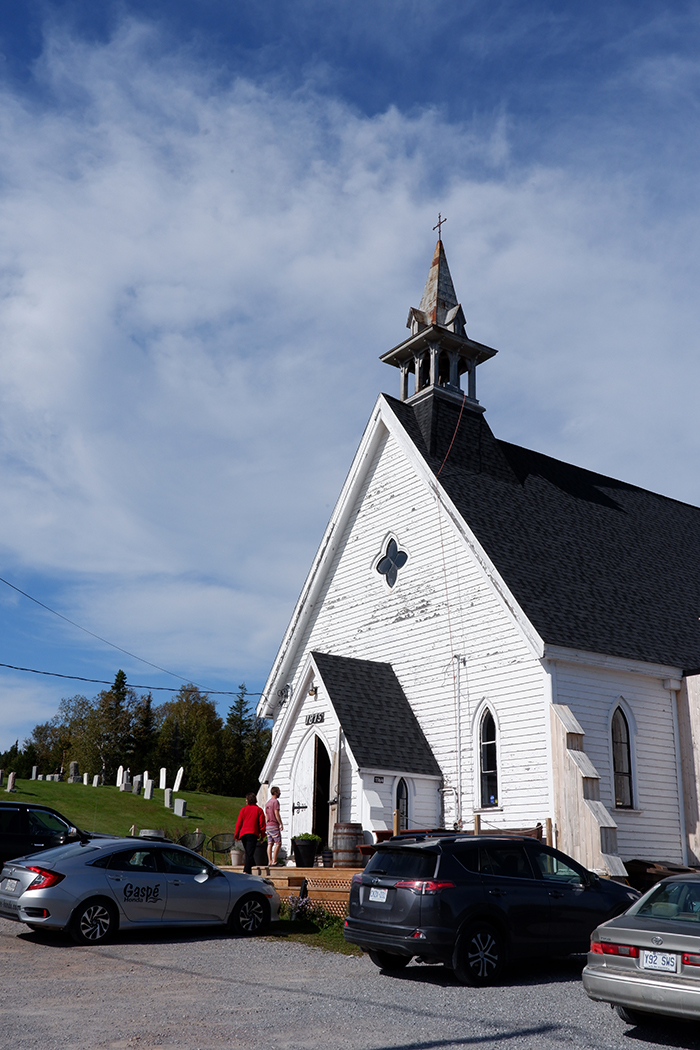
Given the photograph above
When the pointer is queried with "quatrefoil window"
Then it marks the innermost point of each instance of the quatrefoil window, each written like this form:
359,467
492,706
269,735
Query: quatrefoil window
393,560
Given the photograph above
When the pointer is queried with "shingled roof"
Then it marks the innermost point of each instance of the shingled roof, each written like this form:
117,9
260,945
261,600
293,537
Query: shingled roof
376,717
595,564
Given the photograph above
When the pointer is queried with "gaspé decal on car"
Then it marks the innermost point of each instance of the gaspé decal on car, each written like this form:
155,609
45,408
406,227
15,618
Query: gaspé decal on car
142,894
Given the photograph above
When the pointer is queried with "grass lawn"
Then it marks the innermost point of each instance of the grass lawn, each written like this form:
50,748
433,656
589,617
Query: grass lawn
112,811
305,931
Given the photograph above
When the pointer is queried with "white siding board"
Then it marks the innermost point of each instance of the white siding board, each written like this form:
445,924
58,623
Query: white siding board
653,830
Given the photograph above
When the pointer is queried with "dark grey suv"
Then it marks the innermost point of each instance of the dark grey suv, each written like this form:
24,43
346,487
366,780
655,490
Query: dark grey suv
474,903
27,828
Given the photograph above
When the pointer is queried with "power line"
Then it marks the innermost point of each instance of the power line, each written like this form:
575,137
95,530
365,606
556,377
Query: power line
151,688
92,635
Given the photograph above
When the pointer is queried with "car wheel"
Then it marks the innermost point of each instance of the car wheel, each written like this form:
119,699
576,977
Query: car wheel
389,961
94,922
250,915
630,1016
479,955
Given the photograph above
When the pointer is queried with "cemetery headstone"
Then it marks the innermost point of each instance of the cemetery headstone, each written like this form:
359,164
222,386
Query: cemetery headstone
144,776
148,790
136,787
120,776
168,798
123,786
40,777
86,779
96,780
35,770
163,778
74,776
180,807
178,778
11,782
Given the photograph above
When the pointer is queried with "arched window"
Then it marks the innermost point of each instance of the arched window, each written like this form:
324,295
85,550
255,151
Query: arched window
488,761
622,763
402,804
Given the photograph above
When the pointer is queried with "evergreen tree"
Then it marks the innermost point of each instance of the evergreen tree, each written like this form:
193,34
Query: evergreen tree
190,736
246,743
144,734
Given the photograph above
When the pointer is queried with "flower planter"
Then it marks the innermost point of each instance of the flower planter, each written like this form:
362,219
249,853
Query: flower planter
304,852
237,858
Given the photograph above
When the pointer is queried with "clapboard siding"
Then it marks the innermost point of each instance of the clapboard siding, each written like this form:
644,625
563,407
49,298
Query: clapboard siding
441,596
653,830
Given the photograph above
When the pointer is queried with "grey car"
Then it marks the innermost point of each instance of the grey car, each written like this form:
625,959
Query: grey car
647,961
93,888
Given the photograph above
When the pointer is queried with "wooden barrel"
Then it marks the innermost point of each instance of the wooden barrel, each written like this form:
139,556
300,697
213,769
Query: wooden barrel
346,838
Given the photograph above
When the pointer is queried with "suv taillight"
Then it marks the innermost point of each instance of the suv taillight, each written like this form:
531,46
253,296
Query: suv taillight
603,948
423,887
44,879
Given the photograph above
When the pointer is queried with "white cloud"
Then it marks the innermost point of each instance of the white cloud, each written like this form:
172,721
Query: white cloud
195,285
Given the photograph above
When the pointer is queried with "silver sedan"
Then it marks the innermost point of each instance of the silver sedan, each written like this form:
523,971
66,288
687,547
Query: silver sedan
93,888
647,961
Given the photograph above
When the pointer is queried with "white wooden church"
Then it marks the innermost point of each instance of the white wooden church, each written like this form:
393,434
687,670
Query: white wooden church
489,631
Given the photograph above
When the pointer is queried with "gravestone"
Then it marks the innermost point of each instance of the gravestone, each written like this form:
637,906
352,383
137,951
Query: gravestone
180,807
168,798
144,777
136,787
35,770
120,776
148,790
178,778
163,778
40,777
74,776
96,780
127,777
11,782
123,786
86,779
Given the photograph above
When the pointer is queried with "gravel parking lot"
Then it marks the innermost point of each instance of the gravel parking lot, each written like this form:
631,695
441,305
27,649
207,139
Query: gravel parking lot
161,990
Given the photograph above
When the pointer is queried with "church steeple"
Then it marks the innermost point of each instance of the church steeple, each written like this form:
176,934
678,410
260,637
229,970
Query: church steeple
438,351
439,299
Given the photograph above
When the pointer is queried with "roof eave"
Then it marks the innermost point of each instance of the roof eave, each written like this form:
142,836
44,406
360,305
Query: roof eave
448,340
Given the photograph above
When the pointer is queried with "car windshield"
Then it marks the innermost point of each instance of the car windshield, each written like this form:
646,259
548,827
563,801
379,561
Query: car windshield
41,821
403,863
679,901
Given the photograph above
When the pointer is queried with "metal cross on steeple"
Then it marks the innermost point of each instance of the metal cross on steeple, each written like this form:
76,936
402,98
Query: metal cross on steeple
438,226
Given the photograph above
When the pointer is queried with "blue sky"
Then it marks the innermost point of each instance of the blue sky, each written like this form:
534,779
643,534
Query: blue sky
214,216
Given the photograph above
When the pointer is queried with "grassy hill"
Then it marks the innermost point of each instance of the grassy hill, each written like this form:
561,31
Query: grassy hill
114,812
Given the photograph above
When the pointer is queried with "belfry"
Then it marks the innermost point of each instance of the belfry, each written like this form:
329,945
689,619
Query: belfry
438,351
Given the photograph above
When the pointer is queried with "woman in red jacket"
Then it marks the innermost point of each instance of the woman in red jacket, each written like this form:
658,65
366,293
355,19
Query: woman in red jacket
250,828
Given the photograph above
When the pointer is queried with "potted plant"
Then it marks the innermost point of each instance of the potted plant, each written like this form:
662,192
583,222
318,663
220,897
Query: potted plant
305,848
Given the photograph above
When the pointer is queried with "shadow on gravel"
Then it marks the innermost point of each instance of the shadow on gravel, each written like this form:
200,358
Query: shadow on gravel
539,971
665,1032
154,935
491,1039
